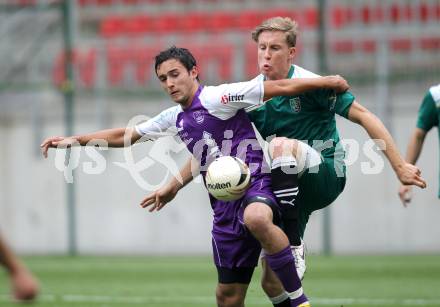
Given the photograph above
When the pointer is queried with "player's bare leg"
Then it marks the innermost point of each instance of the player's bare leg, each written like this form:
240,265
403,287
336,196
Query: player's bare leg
258,219
231,295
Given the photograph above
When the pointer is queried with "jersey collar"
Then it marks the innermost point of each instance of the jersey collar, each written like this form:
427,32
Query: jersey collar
291,70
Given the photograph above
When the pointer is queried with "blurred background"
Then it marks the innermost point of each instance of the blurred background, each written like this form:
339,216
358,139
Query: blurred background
388,50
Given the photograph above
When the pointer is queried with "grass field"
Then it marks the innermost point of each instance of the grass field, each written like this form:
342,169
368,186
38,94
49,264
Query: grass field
389,281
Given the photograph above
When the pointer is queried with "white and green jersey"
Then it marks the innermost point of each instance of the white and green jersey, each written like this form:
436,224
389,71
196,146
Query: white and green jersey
308,117
429,112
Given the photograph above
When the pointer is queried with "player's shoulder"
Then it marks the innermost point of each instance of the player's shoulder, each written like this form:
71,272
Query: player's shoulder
300,72
169,115
435,92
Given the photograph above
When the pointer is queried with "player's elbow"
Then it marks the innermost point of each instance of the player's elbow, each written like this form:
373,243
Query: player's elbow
361,116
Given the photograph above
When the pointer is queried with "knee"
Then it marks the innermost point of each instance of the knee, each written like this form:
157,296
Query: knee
282,146
257,218
229,297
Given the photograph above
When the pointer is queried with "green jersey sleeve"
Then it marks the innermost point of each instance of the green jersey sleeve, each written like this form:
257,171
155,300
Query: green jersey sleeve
337,103
427,117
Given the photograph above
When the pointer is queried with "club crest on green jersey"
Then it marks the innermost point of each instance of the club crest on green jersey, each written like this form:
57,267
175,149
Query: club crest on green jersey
295,104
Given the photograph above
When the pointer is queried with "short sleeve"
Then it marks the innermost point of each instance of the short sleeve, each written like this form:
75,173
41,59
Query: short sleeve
234,95
343,103
337,103
161,125
427,117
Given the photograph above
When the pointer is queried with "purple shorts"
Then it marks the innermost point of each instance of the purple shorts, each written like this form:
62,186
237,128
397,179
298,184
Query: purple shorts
232,243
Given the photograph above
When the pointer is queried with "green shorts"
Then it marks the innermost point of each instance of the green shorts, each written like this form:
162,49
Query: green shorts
319,189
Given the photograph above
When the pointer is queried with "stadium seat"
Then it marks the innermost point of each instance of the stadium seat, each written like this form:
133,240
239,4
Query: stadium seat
223,54
167,23
437,11
368,46
117,57
423,12
193,22
251,60
84,65
338,17
378,13
401,45
249,20
112,26
430,43
221,21
143,58
310,17
343,46
366,15
131,2
104,2
395,13
138,25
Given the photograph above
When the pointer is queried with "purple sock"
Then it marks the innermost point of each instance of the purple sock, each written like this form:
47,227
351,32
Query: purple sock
283,264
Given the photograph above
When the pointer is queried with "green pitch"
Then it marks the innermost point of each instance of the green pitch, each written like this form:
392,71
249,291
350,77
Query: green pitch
389,281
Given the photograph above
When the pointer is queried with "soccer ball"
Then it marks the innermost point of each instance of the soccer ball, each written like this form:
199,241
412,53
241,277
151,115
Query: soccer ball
227,178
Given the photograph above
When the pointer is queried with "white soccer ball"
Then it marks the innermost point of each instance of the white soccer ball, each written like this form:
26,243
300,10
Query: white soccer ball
227,178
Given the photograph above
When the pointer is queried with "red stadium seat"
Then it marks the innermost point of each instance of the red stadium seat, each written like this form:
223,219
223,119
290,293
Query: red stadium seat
112,26
223,54
378,13
437,11
221,21
104,2
408,13
139,25
338,16
193,22
423,12
368,46
401,45
395,13
117,57
143,59
310,15
249,20
131,2
84,64
251,60
430,43
343,46
366,15
167,23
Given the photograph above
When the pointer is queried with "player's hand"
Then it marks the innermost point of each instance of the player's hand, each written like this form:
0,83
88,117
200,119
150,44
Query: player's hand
405,194
337,83
24,285
411,175
56,141
159,198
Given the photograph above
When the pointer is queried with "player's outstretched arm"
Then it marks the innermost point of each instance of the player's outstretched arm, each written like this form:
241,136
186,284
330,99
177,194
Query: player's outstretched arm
407,173
113,138
290,87
159,198
412,154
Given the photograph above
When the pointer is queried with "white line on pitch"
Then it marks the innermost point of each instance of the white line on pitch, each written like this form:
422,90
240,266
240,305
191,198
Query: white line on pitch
203,300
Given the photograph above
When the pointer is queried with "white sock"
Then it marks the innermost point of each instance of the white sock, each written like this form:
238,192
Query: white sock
280,298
